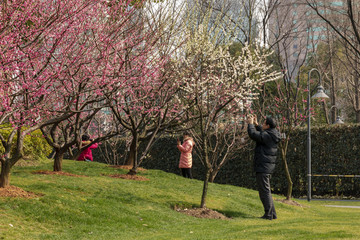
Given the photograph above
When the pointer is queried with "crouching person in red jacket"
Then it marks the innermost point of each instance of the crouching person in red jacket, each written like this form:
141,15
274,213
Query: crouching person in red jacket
86,154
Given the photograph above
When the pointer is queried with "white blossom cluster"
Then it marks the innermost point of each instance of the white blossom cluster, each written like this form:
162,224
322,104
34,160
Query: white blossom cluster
210,72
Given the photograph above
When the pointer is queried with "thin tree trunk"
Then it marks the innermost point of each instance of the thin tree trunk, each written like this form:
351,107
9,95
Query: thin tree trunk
71,153
357,98
213,175
208,169
326,113
205,188
333,84
288,176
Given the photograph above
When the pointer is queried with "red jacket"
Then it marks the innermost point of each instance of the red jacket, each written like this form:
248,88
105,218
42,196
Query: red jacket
87,154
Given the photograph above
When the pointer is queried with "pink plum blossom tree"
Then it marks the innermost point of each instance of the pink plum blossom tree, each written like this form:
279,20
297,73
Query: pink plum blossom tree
146,105
55,64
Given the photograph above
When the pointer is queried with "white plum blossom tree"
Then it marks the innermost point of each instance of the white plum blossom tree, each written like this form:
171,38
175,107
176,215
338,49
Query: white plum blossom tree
220,84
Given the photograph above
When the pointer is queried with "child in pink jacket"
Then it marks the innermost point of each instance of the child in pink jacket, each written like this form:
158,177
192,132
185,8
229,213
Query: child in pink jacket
185,163
86,154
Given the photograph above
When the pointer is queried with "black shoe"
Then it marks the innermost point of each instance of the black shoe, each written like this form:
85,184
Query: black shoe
268,218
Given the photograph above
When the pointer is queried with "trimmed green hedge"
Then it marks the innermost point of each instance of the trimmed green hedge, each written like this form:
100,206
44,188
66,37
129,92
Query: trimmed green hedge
335,150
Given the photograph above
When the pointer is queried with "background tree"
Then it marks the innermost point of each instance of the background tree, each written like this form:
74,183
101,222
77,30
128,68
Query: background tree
292,37
146,105
330,59
342,20
243,18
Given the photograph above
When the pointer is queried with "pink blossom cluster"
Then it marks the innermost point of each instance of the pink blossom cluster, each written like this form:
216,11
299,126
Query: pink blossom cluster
70,56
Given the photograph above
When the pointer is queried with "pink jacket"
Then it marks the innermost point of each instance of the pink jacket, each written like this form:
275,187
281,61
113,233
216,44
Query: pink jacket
186,156
87,154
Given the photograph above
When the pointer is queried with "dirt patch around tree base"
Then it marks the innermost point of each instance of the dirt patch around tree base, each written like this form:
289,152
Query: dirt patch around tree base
289,202
127,176
46,172
13,191
127,167
201,213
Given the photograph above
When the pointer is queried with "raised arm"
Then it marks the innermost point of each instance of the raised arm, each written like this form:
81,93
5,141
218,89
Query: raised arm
186,147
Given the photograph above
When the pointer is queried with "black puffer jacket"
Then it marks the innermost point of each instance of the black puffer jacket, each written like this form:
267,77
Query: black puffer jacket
266,148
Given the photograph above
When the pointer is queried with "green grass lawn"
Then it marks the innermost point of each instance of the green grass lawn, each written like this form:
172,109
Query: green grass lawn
100,207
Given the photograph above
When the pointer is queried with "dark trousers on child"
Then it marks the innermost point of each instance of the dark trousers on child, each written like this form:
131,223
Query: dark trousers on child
186,172
263,182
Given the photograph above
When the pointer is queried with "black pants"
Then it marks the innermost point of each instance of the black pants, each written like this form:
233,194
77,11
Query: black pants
263,182
186,172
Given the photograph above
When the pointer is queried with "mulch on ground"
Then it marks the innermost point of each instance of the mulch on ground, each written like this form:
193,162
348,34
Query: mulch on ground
46,172
289,202
201,213
127,167
13,191
127,176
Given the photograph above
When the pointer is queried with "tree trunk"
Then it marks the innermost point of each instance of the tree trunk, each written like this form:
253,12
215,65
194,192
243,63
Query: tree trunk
205,188
7,163
134,153
213,175
71,153
5,174
58,160
357,98
326,113
333,85
357,113
288,176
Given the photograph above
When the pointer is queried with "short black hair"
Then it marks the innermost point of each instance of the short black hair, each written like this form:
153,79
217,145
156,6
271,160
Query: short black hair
85,137
271,122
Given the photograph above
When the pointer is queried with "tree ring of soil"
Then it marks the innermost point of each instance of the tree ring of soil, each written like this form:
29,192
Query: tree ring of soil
201,213
289,202
13,191
46,172
127,167
127,176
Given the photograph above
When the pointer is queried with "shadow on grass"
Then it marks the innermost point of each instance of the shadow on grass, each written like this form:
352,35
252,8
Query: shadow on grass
191,208
181,204
236,214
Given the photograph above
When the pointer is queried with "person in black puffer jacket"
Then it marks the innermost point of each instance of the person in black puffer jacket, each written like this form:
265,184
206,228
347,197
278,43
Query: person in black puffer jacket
267,139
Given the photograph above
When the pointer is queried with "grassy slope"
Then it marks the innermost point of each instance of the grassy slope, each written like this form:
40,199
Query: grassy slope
100,207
